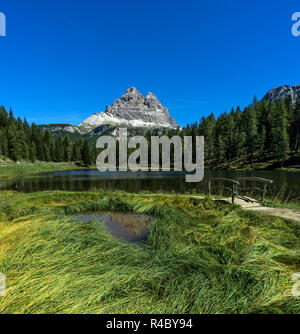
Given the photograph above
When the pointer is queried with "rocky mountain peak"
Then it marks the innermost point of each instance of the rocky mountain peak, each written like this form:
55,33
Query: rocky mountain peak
133,110
132,95
150,96
152,101
131,91
284,92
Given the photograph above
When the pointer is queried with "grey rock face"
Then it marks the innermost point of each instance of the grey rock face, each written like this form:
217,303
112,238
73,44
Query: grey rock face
283,92
58,128
133,109
296,91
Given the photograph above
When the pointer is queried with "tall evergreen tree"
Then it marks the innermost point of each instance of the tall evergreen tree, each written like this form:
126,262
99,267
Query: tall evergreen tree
250,127
86,153
280,138
67,149
295,126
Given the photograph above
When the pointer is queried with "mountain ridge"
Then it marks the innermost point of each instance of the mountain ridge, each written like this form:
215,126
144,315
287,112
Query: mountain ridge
284,92
132,110
139,114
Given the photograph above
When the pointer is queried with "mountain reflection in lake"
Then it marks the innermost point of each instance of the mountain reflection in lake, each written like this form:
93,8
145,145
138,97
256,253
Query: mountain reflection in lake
129,227
285,183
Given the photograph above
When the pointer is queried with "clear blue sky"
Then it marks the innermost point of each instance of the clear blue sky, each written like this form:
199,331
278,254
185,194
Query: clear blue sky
63,60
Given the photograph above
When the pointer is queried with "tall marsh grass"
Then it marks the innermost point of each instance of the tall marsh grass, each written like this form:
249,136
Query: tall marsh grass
201,257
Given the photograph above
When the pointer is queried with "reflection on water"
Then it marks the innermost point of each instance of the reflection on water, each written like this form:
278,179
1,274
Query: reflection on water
286,183
129,227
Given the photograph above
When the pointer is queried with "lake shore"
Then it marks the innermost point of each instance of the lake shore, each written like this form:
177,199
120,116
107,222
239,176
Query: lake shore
9,170
28,177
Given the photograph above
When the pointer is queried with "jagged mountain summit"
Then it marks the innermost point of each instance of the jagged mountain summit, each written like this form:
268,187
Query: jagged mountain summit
132,110
284,92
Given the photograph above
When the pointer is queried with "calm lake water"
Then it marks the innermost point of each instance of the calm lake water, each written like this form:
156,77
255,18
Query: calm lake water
129,227
287,183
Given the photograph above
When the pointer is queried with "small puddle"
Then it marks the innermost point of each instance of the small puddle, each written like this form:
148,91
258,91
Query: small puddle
125,226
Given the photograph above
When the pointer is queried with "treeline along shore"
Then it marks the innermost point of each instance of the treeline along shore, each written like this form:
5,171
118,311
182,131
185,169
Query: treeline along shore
266,133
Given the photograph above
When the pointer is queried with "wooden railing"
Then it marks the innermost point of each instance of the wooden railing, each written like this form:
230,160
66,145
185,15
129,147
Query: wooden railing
257,179
235,189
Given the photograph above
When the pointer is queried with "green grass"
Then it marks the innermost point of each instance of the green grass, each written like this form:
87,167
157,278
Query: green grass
201,257
281,199
268,162
285,205
13,170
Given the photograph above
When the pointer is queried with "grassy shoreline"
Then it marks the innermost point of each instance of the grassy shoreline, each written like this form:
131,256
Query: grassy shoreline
201,257
268,164
9,171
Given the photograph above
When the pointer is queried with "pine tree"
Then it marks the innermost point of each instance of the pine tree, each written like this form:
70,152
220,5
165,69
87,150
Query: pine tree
24,150
230,129
239,137
14,151
250,127
280,138
220,140
3,117
3,144
86,153
67,149
295,127
32,152
58,150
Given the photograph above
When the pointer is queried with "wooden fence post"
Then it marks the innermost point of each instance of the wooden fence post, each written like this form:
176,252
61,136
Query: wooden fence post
264,192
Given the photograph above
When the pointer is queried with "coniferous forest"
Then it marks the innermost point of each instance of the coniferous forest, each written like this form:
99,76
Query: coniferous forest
21,141
262,131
